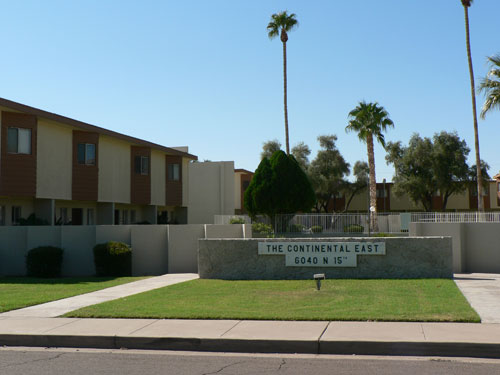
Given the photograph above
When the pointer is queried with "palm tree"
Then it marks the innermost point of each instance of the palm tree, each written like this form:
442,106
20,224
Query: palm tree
480,203
370,120
490,86
281,23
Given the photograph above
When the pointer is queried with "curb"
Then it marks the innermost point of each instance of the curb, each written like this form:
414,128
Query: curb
389,348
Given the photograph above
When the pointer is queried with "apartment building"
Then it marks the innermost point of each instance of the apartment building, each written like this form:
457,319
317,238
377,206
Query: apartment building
66,171
387,201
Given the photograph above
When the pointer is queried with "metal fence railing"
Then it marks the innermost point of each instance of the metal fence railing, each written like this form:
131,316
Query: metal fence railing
454,217
352,223
337,223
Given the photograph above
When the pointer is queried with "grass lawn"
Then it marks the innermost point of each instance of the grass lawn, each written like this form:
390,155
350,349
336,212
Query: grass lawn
381,300
18,292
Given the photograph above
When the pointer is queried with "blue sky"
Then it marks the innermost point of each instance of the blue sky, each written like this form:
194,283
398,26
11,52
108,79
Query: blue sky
204,73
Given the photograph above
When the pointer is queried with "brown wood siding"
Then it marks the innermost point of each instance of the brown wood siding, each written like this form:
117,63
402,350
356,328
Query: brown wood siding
173,189
473,198
18,171
85,178
140,184
384,203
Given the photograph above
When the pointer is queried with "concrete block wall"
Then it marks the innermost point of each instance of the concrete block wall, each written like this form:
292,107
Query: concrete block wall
476,246
156,249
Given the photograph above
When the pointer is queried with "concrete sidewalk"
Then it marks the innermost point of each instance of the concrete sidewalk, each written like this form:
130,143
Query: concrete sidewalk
63,306
482,290
362,338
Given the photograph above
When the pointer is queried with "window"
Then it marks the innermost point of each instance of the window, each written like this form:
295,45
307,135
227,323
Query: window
381,193
133,219
2,215
173,172
16,214
19,141
141,165
90,216
86,153
63,215
245,185
125,217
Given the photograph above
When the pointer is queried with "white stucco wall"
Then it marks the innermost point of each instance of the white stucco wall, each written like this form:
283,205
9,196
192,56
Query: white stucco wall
114,170
54,160
211,191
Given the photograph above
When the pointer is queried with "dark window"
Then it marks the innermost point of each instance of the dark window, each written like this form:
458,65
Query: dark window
86,153
16,214
245,185
77,216
19,141
173,172
141,165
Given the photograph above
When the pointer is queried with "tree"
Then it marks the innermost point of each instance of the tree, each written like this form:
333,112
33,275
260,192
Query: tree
281,24
413,173
466,4
490,86
361,173
269,148
450,164
279,186
370,120
301,152
426,167
327,172
472,177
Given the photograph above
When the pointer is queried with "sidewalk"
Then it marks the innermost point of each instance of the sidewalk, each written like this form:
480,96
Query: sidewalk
361,338
37,326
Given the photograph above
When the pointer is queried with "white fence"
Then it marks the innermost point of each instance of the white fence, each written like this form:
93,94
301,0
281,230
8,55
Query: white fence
352,223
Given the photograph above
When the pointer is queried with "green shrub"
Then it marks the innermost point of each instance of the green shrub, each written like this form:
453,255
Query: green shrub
44,261
382,234
316,229
296,228
262,228
113,259
353,228
237,220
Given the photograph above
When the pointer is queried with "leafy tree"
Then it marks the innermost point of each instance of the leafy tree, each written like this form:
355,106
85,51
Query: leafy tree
281,24
279,186
427,166
361,173
269,148
301,152
370,120
412,165
490,86
327,172
450,164
466,4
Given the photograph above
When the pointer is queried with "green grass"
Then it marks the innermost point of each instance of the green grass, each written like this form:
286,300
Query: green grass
19,292
378,300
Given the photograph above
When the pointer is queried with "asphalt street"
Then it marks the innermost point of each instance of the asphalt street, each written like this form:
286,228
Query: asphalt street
27,361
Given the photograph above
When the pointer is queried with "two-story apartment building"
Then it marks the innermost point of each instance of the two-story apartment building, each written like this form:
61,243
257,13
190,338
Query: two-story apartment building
66,171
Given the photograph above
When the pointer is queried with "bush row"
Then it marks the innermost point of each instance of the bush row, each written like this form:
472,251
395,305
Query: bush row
110,259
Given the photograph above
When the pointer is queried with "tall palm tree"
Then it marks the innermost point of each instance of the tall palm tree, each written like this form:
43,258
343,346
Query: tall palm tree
490,86
480,204
369,120
281,23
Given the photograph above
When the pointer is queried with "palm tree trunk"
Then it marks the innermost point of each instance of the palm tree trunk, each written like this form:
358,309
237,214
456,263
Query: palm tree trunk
285,103
373,183
480,203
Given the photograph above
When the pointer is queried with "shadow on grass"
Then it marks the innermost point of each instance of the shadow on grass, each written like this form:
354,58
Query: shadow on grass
57,280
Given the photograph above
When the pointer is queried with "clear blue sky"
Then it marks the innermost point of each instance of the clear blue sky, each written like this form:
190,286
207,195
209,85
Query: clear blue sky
204,73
